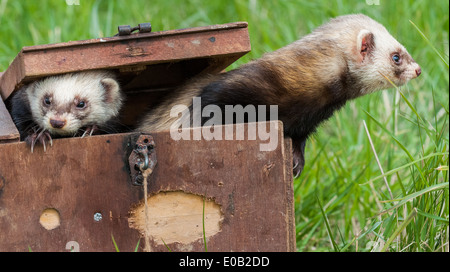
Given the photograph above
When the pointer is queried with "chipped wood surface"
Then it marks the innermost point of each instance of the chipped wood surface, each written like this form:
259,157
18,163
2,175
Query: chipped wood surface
8,131
176,217
80,178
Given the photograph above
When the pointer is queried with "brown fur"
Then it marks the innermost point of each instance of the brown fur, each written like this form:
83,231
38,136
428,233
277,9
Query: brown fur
308,79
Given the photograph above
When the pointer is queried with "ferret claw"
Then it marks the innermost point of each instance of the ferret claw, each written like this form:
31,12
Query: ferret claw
31,140
298,162
89,131
295,163
41,136
32,146
297,169
298,158
49,138
43,144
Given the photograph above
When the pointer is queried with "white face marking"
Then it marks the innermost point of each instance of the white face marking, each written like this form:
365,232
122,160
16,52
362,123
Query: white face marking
64,104
385,64
393,61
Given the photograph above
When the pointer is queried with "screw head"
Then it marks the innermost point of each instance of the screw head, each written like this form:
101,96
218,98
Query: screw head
98,216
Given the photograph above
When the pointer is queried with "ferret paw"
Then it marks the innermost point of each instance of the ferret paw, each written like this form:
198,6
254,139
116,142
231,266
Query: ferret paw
298,166
40,136
298,157
89,131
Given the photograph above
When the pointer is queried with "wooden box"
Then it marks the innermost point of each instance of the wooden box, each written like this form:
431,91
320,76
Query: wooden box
81,194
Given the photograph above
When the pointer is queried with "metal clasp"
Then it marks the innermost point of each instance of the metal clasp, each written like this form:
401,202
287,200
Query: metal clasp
142,159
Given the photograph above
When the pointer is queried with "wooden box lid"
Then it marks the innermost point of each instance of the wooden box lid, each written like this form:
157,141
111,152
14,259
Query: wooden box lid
147,62
217,45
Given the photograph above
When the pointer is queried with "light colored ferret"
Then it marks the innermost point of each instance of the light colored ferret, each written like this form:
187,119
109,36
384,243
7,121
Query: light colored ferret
347,57
66,105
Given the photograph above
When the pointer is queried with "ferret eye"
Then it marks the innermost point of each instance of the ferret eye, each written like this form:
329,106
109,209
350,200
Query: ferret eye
81,105
47,101
397,59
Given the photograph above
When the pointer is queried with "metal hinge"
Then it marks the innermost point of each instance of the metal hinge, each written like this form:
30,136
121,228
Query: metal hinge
124,30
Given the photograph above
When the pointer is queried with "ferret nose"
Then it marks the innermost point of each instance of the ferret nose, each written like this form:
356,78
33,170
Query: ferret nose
57,123
418,71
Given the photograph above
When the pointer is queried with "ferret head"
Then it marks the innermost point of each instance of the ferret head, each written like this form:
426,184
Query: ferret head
374,58
64,104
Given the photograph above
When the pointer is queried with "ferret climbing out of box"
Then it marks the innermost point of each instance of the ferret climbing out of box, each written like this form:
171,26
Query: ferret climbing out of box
348,57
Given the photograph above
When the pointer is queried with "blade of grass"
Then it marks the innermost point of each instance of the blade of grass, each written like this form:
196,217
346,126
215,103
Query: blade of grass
114,242
203,222
378,161
390,172
168,248
420,120
400,229
432,216
359,237
137,246
399,144
416,194
429,43
330,234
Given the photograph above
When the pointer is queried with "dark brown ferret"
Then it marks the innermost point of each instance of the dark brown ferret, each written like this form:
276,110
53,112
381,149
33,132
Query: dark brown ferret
309,80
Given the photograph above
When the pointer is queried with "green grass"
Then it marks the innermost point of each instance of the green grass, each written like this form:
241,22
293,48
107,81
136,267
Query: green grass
342,199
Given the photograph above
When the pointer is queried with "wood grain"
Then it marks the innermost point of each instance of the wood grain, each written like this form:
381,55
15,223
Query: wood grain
81,177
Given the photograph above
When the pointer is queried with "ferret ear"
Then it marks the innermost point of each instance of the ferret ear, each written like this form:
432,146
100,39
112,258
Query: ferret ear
112,89
364,44
31,87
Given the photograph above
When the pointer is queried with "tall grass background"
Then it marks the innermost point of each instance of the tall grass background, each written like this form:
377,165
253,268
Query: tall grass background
343,201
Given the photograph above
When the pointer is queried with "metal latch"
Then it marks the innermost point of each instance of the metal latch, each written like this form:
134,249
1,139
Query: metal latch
124,30
142,158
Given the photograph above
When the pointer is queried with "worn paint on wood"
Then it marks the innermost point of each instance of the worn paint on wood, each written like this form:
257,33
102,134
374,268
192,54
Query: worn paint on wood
221,44
85,178
76,177
8,131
